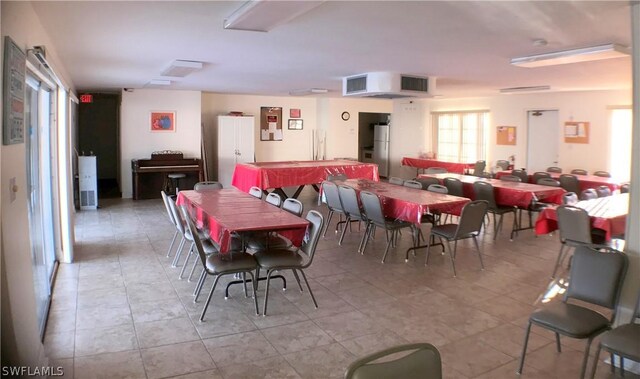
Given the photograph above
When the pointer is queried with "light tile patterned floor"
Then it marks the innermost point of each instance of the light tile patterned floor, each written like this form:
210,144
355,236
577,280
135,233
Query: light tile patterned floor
120,310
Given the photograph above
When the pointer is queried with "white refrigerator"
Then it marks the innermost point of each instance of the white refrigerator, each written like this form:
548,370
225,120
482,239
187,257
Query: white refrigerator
381,149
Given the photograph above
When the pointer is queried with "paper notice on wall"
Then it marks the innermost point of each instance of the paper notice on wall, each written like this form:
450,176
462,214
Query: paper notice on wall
278,135
272,127
265,135
570,130
581,130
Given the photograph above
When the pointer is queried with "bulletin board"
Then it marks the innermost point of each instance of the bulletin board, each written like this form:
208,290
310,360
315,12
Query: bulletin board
270,124
506,135
576,132
13,93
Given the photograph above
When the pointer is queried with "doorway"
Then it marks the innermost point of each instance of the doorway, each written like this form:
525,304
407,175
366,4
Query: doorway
373,140
543,134
99,135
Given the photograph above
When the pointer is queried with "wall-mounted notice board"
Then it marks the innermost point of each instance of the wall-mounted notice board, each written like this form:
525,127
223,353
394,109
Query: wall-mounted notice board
270,124
576,132
506,135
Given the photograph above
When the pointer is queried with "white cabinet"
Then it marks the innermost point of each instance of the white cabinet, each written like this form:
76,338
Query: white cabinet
236,144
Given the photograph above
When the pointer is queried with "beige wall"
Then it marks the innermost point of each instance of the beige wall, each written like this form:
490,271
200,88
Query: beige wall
20,337
137,141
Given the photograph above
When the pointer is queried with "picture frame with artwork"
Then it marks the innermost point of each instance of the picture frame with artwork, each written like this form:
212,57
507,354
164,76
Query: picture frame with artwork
162,121
295,113
295,124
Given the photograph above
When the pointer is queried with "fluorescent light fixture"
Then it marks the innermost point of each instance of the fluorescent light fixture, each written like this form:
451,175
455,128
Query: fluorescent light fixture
586,54
264,15
308,91
525,89
180,68
159,82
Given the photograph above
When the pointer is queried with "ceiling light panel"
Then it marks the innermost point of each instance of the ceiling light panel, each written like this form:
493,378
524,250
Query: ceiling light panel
525,89
586,54
264,15
180,68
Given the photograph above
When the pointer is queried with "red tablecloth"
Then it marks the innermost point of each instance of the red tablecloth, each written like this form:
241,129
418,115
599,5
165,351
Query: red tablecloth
457,168
222,212
585,181
408,204
607,213
508,193
267,175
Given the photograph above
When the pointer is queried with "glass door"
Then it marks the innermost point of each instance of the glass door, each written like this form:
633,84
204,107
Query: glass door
39,119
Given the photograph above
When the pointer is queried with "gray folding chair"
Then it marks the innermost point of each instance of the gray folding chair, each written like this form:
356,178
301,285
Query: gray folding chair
510,178
296,260
165,199
395,180
623,341
417,361
273,199
603,191
412,184
484,191
469,226
454,186
603,174
436,170
334,205
579,171
257,242
554,169
503,164
549,182
203,186
596,278
588,194
438,188
478,168
569,198
351,208
569,183
255,192
625,188
426,182
522,174
334,177
539,175
376,219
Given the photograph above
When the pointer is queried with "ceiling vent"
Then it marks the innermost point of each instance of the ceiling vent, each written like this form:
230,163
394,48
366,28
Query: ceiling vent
388,85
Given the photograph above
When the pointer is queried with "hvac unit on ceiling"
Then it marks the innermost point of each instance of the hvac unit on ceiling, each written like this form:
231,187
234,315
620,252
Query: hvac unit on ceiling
388,85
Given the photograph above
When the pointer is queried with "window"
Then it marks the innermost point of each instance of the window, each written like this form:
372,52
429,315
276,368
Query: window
461,136
620,158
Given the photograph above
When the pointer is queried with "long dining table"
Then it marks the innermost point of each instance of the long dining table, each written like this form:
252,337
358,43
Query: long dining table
608,213
584,181
276,175
423,163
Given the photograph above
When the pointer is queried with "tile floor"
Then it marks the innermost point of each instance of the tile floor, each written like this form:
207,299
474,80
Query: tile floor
120,310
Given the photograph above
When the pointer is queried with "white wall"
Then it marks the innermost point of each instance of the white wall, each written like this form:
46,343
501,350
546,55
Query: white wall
136,139
20,333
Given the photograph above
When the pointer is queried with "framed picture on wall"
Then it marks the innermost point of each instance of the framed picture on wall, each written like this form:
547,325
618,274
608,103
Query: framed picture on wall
295,124
270,124
162,121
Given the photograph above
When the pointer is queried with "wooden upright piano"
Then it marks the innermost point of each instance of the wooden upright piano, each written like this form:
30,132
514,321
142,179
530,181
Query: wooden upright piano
149,176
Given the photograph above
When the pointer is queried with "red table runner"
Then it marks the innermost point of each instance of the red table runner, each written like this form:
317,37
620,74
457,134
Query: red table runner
222,212
507,193
457,168
267,175
408,204
585,181
607,213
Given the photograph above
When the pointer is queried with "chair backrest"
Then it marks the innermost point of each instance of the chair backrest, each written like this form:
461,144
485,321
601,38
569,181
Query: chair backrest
395,180
484,191
293,206
625,188
316,223
596,277
522,174
569,183
437,188
274,199
426,182
334,177
422,361
177,217
554,169
579,171
372,207
569,198
603,174
549,182
503,164
165,199
255,192
574,224
510,178
330,191
349,201
472,217
588,194
436,170
478,168
539,175
454,185
194,232
603,191
200,186
412,184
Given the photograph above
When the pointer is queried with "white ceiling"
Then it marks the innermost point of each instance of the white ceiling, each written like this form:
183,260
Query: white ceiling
467,45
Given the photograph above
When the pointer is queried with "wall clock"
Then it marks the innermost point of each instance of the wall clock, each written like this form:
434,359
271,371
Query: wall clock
345,116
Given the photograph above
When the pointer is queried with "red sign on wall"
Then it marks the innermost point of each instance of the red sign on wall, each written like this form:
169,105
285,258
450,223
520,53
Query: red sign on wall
86,98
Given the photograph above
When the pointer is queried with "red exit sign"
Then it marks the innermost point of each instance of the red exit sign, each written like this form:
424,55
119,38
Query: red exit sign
86,98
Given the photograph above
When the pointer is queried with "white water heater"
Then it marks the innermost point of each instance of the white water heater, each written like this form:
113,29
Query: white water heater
88,182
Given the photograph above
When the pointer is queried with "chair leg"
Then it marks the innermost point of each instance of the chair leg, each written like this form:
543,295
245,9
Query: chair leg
255,294
367,236
244,284
426,260
585,360
206,305
193,269
297,279
186,261
387,249
196,291
309,288
524,349
558,346
475,241
329,216
555,269
344,230
452,256
172,242
364,237
596,359
621,364
266,293
174,262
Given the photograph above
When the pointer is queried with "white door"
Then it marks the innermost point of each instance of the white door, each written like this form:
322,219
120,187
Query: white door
543,140
226,149
245,140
